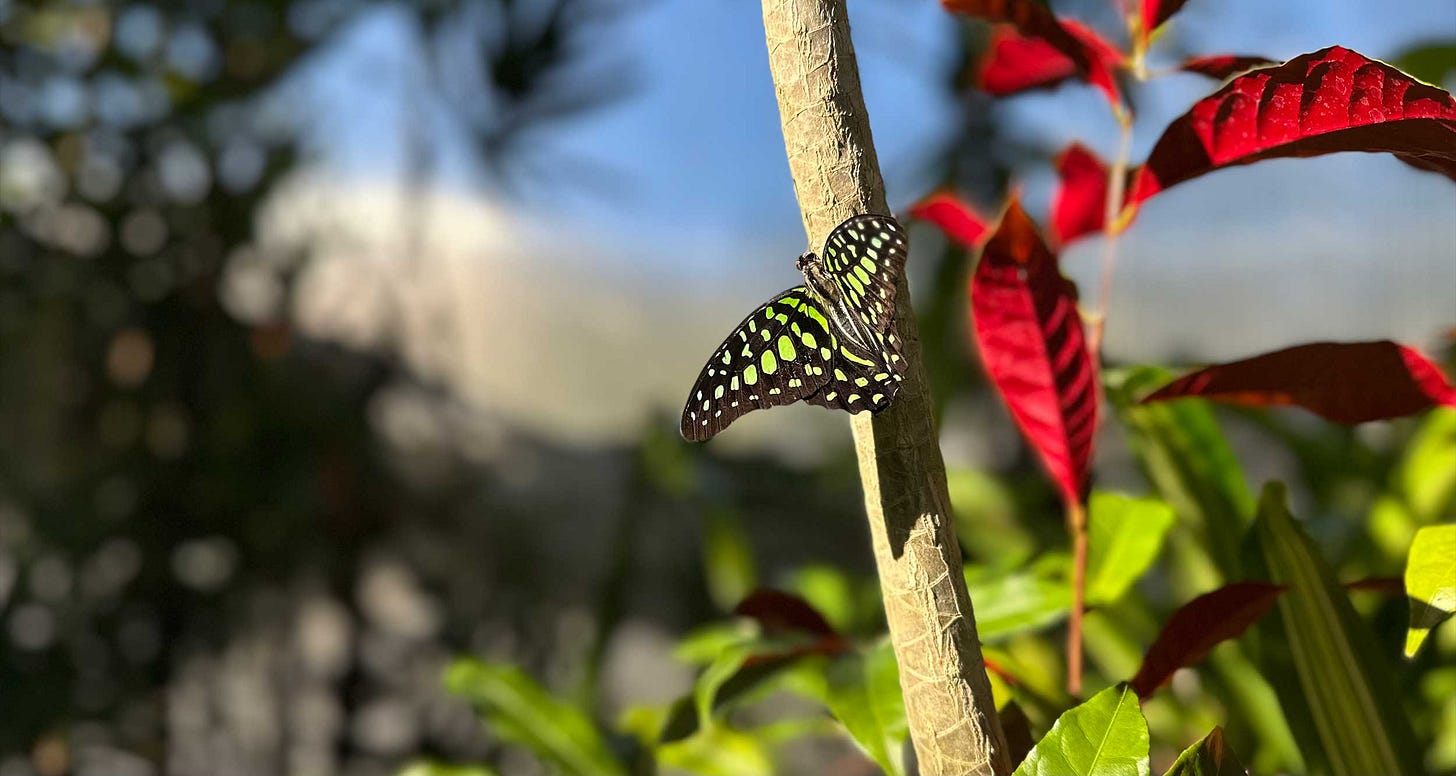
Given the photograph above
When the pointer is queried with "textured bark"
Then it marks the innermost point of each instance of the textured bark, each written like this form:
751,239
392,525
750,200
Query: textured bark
953,721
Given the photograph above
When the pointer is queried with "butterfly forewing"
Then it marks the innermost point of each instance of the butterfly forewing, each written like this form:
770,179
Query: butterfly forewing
865,256
781,353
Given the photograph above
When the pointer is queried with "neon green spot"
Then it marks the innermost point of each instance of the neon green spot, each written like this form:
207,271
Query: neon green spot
839,374
817,316
853,397
766,335
824,353
881,376
830,396
718,392
852,357
868,264
770,364
750,376
727,357
786,349
861,274
808,338
752,325
861,382
783,319
876,398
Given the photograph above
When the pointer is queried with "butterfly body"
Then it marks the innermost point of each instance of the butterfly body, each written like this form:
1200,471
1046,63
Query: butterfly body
829,342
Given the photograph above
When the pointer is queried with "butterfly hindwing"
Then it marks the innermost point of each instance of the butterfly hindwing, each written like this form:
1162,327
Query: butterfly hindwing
779,354
857,384
865,256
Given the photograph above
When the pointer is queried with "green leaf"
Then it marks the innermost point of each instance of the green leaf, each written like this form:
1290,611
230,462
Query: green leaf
1422,489
1180,447
1011,603
1336,687
1106,736
1124,537
727,560
1430,582
440,769
1209,757
717,751
863,693
521,711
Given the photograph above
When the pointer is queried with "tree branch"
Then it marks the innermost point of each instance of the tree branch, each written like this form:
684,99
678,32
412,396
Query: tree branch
953,721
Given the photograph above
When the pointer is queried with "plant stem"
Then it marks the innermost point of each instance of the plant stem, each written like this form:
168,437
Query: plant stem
1112,229
948,704
1077,525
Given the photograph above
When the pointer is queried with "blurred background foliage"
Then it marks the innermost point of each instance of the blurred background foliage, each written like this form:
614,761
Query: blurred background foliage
276,448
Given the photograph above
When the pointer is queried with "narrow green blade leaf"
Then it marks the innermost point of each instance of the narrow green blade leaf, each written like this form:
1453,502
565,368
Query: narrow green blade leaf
440,769
864,695
1334,684
1125,536
1209,757
1106,736
1430,582
521,711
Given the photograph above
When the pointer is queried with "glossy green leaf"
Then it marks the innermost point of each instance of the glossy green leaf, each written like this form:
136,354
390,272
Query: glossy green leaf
1430,582
863,693
1125,535
717,751
519,710
1011,603
1185,455
1335,685
1209,757
1105,736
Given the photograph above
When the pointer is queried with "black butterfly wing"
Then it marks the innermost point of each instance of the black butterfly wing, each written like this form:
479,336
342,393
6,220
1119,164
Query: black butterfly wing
781,353
865,256
857,383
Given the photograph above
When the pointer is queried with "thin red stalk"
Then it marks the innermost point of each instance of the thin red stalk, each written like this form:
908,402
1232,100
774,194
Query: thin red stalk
1077,524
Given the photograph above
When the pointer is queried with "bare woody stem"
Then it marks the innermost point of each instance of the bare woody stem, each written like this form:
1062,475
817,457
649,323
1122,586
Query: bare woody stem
952,718
1077,526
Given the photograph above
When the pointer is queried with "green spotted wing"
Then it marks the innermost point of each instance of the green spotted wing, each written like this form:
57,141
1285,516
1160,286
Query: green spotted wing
864,257
857,383
779,354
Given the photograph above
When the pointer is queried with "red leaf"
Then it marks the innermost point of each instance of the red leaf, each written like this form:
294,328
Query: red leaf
1031,340
1079,206
1155,12
1222,66
1039,50
954,216
1350,382
1199,626
780,612
1320,103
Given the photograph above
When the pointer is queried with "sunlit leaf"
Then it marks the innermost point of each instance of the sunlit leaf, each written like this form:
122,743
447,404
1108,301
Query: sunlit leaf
1106,736
1024,314
1124,537
1209,757
441,769
864,695
1154,14
1200,625
1332,100
1016,62
1350,382
727,559
717,751
1017,602
954,216
1335,685
1422,487
519,710
1430,582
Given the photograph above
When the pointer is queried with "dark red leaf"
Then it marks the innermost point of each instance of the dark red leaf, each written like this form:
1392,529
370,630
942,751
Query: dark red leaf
1079,206
1331,100
1038,50
1030,336
1199,626
780,612
1222,66
1388,585
1347,382
954,216
1155,12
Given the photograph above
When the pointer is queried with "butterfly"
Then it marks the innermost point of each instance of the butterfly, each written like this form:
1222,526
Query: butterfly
829,342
